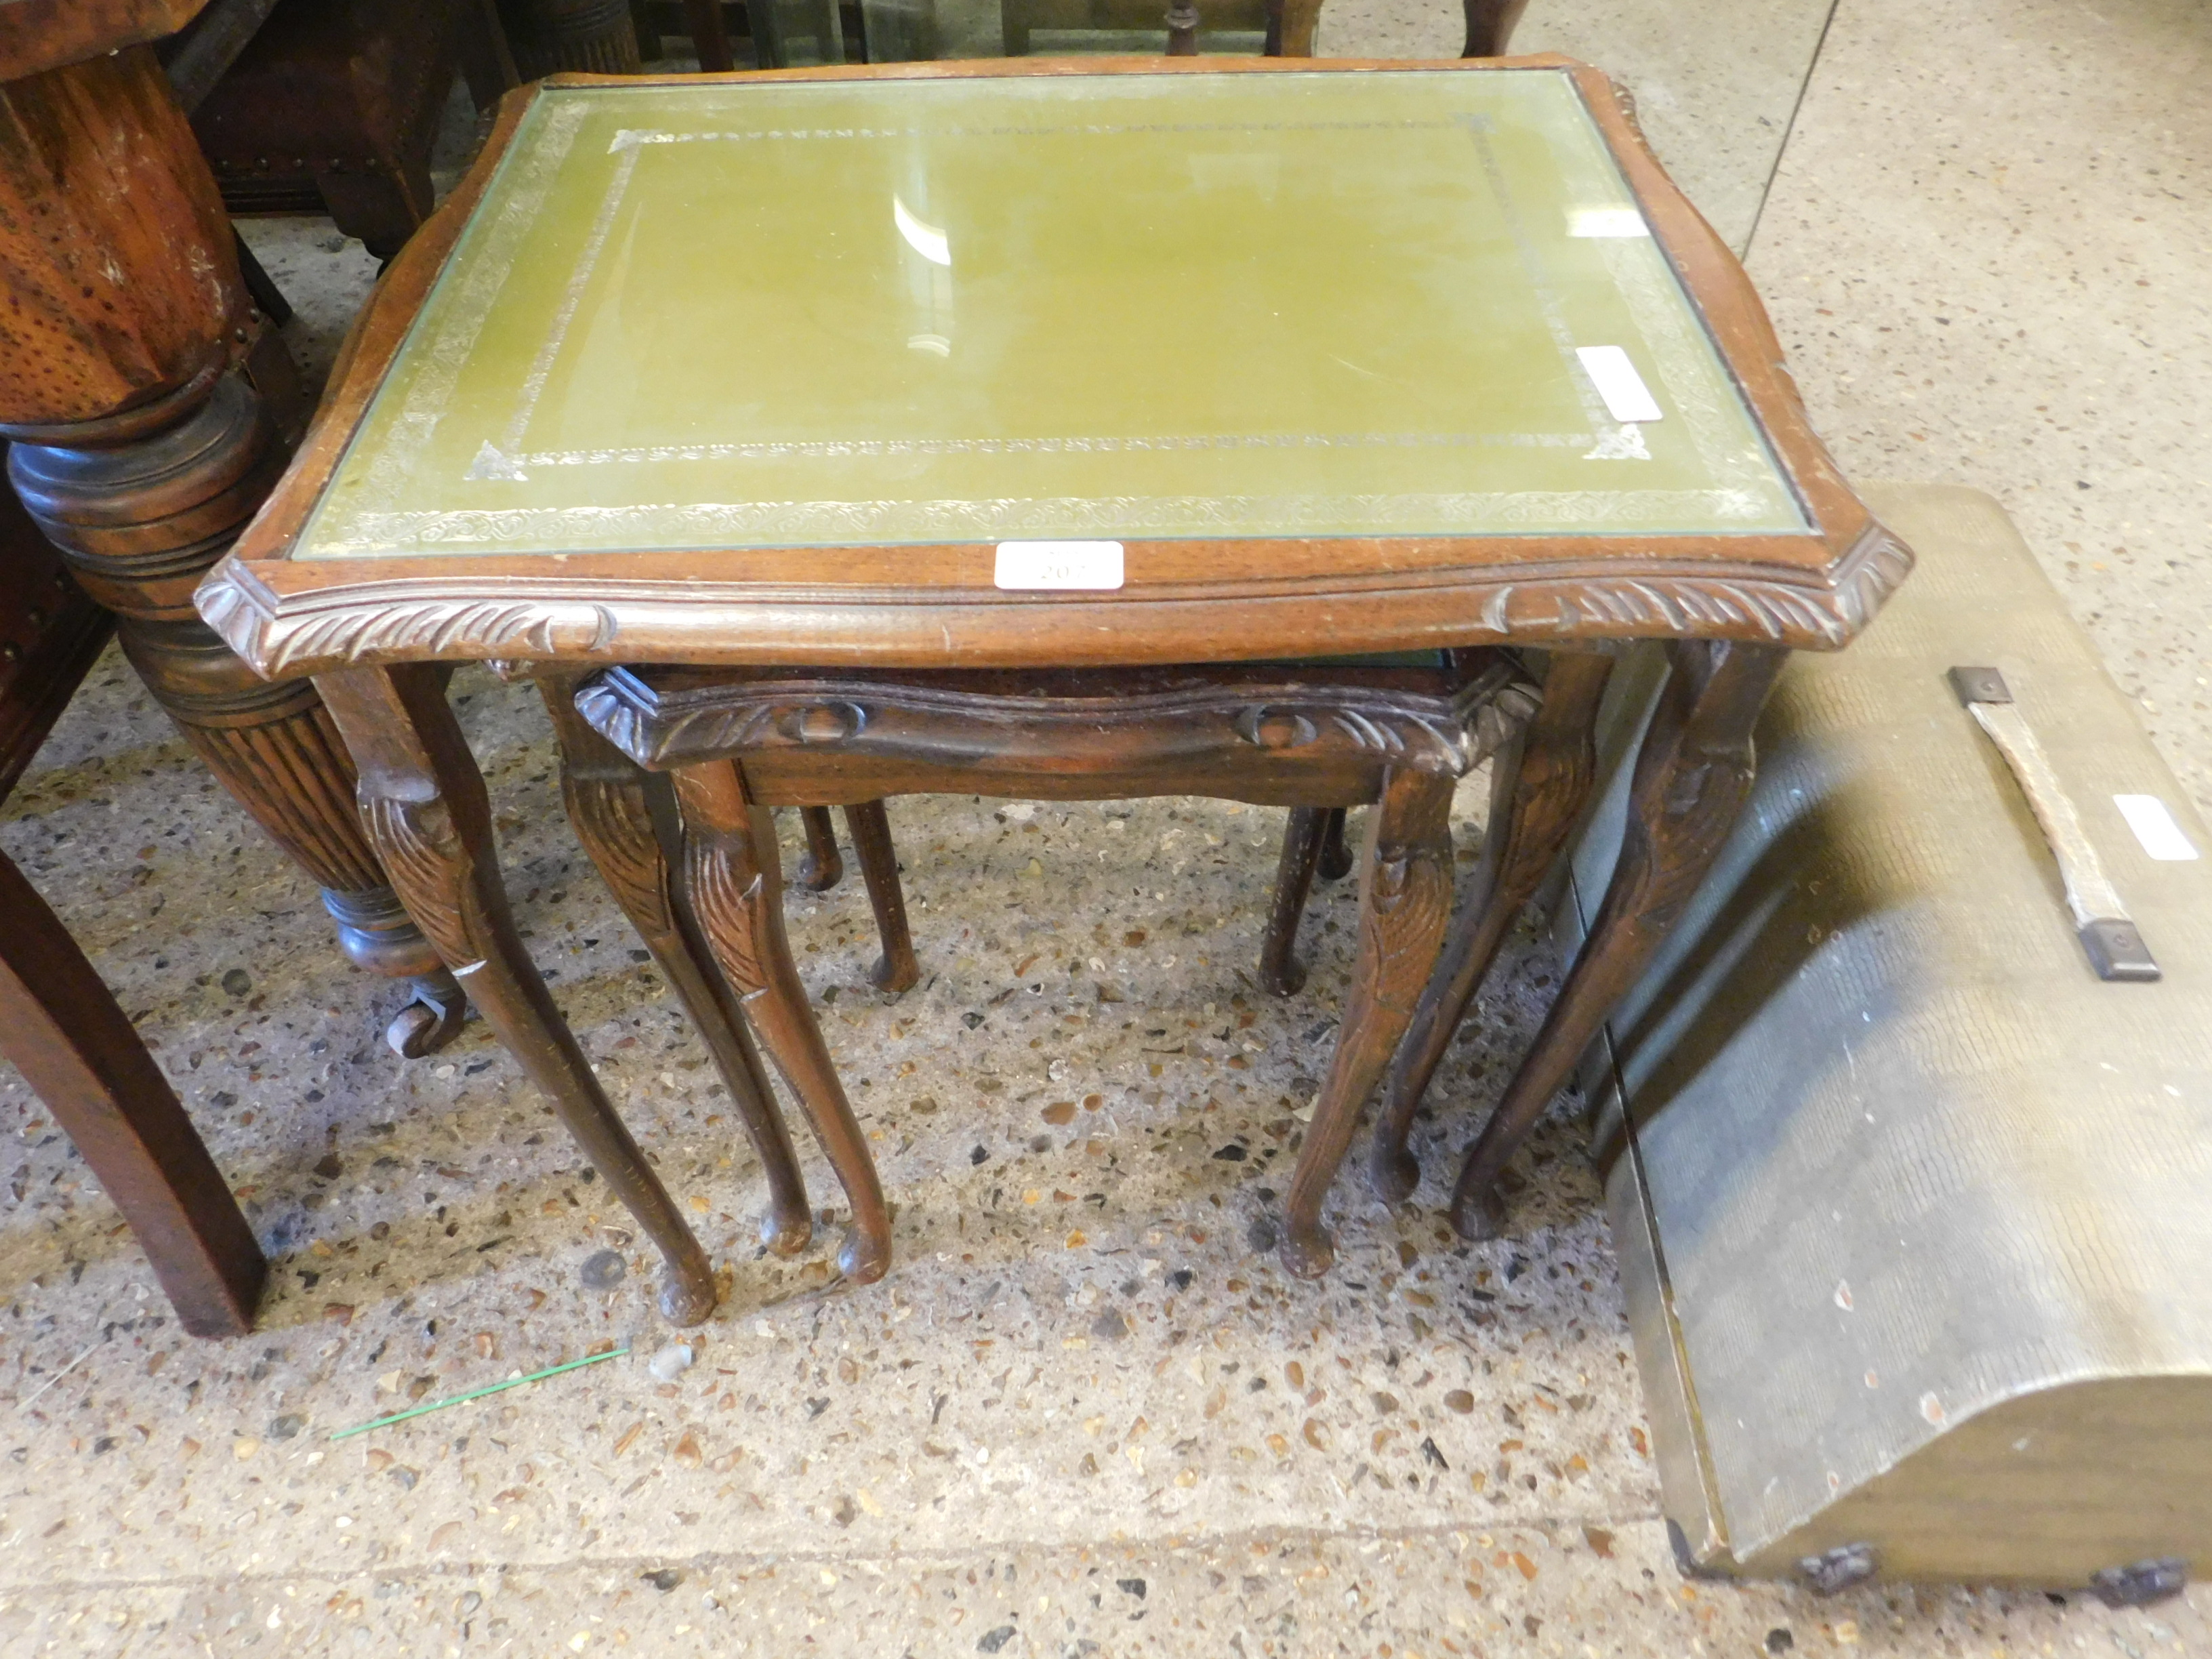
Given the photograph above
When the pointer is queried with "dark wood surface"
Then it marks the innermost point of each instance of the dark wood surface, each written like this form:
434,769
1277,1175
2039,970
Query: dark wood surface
37,35
938,606
333,106
60,1025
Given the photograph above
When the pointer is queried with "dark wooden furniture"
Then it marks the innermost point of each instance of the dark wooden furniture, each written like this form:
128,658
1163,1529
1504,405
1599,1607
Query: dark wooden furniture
548,36
60,1026
332,107
141,445
1506,388
1291,25
1317,737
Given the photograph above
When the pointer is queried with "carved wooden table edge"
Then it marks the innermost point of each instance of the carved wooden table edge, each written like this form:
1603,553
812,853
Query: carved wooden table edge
581,619
1812,590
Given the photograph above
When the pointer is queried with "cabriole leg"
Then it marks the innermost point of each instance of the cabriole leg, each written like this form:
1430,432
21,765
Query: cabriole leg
820,866
424,802
1538,787
1405,899
609,801
1490,26
896,969
730,876
1281,973
1335,850
1693,775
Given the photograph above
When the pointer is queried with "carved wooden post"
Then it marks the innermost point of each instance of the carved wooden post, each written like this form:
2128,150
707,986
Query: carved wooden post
548,35
142,451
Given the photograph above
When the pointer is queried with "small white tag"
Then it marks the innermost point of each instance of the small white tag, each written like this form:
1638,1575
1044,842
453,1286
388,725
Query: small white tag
1029,565
1616,381
1606,222
2161,837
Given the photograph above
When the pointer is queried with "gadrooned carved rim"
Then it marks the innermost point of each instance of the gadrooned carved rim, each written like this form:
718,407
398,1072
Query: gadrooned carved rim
449,617
1427,732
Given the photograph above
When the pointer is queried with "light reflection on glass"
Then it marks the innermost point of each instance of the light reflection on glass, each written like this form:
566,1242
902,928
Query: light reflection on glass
1321,304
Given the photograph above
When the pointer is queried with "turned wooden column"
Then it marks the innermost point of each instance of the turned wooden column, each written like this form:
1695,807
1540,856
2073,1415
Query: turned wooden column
141,450
551,35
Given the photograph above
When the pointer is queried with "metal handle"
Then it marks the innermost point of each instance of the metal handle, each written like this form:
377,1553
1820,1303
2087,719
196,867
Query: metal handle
2114,943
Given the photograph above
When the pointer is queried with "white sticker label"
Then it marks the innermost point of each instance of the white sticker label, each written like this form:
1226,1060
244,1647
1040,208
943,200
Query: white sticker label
1618,383
2153,824
1031,565
1606,222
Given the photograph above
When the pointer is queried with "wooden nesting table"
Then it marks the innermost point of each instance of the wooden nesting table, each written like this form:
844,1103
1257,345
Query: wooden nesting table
1075,365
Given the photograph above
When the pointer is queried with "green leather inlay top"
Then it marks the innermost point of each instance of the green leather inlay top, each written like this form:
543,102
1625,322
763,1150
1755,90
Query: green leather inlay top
1113,305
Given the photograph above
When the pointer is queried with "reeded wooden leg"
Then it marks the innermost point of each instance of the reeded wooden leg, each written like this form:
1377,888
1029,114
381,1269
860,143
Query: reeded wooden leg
141,452
729,871
1691,777
1405,899
61,1027
896,969
1490,25
424,802
610,803
550,35
1538,787
1281,973
820,866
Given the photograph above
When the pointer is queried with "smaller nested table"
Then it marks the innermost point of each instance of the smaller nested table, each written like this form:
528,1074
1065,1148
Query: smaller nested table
1063,366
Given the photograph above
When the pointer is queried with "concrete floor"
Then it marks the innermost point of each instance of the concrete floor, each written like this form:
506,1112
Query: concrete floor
1085,1413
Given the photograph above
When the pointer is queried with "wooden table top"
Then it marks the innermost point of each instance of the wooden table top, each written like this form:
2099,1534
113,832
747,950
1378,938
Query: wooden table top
830,366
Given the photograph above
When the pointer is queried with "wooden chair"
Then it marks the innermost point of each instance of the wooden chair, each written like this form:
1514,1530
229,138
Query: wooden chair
1317,737
332,107
60,1026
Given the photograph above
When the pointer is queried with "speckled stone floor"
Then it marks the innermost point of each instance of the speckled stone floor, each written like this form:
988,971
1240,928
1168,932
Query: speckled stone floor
1087,1413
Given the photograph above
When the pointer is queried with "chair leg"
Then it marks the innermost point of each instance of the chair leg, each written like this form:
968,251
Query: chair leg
1405,899
710,36
423,802
1335,851
1692,778
1291,28
821,867
1281,973
609,801
1538,787
61,1027
732,878
896,969
1490,25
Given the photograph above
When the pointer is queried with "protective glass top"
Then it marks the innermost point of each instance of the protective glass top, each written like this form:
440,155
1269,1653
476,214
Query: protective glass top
1126,306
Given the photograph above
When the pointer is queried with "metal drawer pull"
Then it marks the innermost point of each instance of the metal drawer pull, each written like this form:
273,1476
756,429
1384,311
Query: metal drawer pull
2114,943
